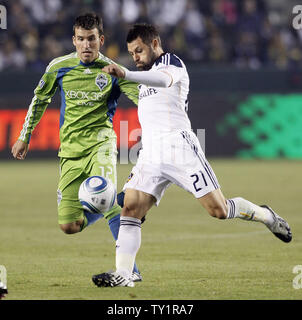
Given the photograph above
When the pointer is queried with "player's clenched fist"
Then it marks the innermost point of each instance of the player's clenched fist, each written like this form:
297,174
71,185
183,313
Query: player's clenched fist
114,70
19,150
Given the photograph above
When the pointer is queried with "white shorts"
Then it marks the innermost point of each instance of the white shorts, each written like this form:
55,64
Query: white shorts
180,160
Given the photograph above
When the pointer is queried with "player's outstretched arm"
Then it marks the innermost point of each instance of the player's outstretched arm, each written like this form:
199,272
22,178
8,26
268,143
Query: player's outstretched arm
114,70
19,150
156,78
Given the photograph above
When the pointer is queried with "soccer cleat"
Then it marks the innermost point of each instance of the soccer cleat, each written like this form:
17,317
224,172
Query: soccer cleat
136,277
111,279
280,227
3,290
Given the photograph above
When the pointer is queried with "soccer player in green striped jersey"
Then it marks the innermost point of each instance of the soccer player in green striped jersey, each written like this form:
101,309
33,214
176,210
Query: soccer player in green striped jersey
87,139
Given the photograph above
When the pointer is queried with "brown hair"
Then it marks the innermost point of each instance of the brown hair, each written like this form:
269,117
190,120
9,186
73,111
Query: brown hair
146,32
89,21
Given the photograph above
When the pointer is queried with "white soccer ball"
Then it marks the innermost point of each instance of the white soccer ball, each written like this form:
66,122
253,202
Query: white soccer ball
97,194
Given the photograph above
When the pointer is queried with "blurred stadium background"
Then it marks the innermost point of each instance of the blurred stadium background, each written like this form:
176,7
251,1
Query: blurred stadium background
244,59
245,64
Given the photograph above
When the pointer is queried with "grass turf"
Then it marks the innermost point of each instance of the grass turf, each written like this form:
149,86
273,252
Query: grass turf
185,253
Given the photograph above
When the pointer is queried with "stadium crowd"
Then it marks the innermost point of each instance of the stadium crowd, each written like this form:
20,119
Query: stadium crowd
244,33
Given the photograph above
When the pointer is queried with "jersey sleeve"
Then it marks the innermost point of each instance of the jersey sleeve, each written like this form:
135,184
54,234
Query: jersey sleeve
42,97
174,72
150,78
173,66
130,89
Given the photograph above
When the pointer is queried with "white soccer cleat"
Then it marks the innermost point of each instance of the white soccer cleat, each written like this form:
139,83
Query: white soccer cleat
136,277
111,279
280,227
3,290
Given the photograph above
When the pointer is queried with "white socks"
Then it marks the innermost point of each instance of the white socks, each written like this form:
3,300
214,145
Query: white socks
127,245
244,209
129,237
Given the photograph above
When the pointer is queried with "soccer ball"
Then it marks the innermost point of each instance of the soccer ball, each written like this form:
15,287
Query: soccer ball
97,194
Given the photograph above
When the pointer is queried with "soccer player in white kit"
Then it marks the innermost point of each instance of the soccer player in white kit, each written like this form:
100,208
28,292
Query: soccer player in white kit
171,153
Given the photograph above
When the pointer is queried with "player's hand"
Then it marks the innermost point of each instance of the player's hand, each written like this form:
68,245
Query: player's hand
19,150
114,70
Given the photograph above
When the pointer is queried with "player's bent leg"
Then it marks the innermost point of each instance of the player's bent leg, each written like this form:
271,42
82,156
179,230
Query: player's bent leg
72,227
246,210
215,203
71,217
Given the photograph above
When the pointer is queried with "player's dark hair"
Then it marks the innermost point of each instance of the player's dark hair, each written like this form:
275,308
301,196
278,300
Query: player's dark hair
146,32
89,21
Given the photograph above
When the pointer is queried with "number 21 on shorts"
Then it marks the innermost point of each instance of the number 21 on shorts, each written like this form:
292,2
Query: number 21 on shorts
199,181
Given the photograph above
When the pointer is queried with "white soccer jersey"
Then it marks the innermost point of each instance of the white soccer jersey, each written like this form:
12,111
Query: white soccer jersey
164,110
171,152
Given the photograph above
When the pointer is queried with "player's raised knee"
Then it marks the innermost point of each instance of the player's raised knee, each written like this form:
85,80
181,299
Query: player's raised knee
70,228
67,228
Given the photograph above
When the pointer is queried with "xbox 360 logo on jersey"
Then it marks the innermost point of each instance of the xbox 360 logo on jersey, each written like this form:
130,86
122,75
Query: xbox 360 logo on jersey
101,81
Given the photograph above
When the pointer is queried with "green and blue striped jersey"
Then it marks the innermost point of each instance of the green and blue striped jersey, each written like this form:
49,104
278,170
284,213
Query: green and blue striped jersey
88,102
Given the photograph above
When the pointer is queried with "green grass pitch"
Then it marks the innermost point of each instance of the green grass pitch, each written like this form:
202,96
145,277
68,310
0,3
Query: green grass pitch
185,253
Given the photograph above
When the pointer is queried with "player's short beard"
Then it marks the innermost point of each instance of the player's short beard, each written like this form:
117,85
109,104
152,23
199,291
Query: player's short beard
148,66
